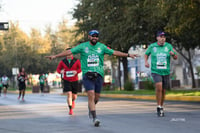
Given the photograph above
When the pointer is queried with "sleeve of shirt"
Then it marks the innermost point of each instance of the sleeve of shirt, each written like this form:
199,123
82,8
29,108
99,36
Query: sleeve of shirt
108,50
59,67
77,49
148,52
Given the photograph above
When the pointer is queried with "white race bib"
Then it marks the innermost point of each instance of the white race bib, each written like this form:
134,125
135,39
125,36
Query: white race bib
69,74
161,62
93,61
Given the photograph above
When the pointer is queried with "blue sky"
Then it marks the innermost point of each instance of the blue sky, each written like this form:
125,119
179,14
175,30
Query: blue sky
36,13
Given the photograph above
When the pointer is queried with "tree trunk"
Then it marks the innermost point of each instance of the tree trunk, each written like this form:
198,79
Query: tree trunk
191,70
188,59
125,67
119,72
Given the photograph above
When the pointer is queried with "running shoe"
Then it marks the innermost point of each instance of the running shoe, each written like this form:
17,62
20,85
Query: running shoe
96,122
70,112
73,104
23,99
160,112
18,98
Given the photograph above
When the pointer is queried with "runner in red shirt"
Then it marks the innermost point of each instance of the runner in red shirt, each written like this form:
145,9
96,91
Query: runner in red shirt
69,67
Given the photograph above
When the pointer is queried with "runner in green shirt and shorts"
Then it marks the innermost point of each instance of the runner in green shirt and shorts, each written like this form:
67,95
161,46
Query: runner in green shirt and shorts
161,53
92,57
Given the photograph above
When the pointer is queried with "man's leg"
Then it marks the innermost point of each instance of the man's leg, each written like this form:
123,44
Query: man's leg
96,99
74,97
23,94
20,93
69,102
74,92
91,104
159,97
42,88
4,90
159,93
163,97
92,108
166,85
67,90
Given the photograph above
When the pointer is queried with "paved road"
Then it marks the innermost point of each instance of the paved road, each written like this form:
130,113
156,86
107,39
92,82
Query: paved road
49,114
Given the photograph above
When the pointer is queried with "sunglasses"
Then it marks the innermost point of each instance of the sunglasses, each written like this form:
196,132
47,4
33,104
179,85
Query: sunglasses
95,35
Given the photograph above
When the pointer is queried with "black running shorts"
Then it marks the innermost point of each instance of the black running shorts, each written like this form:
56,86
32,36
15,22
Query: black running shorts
70,86
162,78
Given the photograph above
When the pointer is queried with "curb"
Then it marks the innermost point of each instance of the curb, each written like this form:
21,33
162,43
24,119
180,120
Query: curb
150,97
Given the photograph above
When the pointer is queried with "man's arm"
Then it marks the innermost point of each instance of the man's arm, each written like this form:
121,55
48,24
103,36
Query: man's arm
121,54
146,60
173,55
62,54
59,67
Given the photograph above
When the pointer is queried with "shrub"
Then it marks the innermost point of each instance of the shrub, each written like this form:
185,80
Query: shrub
129,85
149,85
106,87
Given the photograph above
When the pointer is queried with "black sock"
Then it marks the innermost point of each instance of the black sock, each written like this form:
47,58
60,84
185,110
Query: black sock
93,114
95,101
70,107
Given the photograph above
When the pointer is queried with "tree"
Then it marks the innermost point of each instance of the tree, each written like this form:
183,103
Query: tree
185,30
123,23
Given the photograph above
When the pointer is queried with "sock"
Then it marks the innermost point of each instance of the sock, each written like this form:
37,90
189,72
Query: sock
70,107
96,101
93,114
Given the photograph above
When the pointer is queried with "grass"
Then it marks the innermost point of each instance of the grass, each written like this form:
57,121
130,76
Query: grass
152,92
14,89
183,93
136,92
143,92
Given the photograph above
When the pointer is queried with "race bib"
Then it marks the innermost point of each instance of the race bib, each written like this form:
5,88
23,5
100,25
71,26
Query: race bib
161,61
21,79
69,74
93,61
41,80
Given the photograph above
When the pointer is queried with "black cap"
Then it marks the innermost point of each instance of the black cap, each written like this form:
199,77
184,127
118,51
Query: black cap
161,33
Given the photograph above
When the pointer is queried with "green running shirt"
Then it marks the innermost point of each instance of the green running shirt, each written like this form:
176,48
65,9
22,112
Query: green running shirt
160,58
92,56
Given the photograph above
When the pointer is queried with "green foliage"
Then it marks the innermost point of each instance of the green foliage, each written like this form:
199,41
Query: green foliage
152,92
124,23
106,87
149,85
129,86
19,50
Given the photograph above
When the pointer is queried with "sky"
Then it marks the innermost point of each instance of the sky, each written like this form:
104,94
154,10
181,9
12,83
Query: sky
37,13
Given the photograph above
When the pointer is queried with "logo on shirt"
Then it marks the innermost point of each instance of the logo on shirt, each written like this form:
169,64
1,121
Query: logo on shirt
99,50
86,50
166,49
154,49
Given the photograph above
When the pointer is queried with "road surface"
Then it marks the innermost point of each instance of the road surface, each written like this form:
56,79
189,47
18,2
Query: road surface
49,114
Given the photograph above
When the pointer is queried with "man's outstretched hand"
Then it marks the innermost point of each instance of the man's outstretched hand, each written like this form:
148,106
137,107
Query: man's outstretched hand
133,56
51,57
